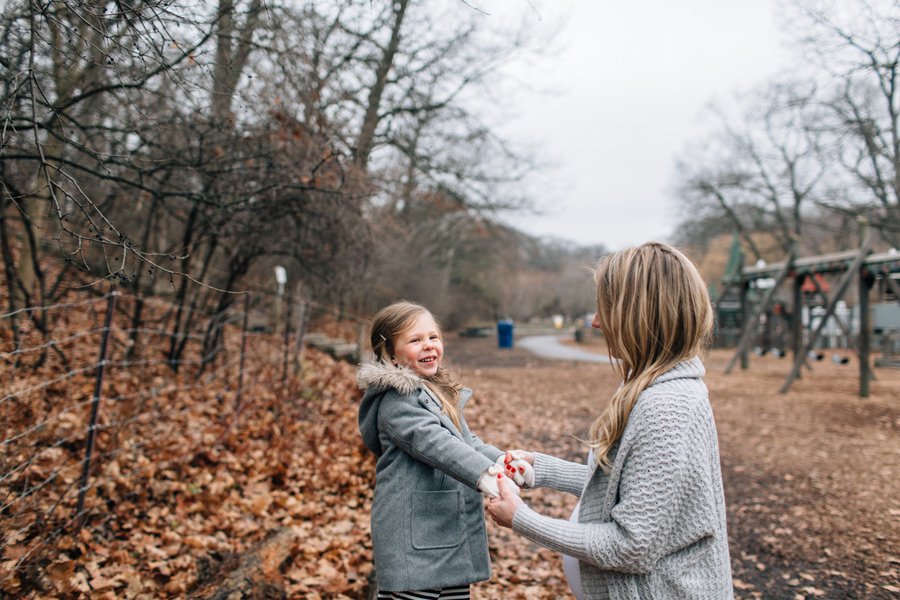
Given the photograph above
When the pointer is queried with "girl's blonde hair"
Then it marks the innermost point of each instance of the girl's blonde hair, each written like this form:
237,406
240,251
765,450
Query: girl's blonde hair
395,319
654,312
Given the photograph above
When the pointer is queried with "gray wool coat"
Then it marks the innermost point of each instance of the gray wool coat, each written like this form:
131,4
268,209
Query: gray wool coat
653,526
428,528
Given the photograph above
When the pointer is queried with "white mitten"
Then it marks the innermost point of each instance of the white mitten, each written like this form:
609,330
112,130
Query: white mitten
518,470
487,483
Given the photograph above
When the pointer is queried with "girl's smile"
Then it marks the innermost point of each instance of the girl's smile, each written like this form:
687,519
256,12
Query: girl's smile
420,347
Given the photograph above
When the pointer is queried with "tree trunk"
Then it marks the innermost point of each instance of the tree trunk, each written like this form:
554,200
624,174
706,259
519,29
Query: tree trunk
366,140
232,51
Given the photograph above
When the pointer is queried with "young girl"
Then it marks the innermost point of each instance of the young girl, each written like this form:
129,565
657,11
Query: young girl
428,526
650,521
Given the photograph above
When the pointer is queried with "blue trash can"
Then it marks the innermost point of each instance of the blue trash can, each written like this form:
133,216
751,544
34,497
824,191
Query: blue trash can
505,333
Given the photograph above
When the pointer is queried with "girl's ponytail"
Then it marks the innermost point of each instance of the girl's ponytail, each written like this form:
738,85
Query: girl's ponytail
447,390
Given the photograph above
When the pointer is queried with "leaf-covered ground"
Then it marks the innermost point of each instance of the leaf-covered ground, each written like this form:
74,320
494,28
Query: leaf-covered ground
810,476
811,485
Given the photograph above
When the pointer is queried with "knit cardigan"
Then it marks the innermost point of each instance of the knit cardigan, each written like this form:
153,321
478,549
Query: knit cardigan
653,526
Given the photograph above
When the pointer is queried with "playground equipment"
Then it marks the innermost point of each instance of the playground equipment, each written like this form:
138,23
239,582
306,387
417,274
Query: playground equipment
863,266
890,350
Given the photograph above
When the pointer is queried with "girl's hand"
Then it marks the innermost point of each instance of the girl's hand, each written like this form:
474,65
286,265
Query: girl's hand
519,466
487,483
503,508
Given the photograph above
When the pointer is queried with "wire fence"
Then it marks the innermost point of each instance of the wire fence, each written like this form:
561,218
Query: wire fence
102,399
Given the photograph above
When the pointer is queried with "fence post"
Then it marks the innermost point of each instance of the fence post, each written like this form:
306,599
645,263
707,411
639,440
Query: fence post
95,408
287,339
305,308
240,391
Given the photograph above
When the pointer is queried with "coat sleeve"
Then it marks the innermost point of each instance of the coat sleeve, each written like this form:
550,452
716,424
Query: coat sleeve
419,432
492,452
651,489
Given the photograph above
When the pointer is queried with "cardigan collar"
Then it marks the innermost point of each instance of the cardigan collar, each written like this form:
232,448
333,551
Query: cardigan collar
691,368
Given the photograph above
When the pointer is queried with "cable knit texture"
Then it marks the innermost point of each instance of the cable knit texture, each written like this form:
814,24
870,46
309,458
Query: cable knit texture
653,527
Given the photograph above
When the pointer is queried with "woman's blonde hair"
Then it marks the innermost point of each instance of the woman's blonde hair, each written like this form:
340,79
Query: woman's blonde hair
654,312
395,319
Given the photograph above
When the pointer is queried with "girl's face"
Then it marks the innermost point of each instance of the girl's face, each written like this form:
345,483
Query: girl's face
420,347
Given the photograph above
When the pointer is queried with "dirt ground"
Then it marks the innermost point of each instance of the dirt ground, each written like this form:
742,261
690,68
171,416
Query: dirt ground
811,476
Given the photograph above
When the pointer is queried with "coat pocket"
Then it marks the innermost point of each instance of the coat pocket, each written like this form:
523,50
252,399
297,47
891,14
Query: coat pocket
436,519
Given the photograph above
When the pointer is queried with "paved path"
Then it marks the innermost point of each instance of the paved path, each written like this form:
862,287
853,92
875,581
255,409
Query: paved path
549,346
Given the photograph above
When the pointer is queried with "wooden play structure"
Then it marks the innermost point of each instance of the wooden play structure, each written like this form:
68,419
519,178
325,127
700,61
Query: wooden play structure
808,277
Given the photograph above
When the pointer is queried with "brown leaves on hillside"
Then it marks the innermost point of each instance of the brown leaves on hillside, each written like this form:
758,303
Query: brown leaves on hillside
180,504
184,479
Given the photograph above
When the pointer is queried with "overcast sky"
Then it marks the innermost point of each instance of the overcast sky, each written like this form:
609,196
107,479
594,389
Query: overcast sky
633,78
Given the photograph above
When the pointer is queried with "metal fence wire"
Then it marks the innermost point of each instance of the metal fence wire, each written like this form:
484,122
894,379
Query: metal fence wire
97,407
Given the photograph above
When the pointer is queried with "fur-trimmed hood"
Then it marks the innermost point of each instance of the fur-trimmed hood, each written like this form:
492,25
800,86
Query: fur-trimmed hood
376,378
379,375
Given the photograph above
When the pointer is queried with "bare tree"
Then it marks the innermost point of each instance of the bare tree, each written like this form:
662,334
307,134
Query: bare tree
803,160
121,146
758,171
162,147
401,85
394,82
71,68
856,46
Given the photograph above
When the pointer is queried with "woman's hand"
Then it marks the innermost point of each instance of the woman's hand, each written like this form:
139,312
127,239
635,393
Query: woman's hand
503,509
512,455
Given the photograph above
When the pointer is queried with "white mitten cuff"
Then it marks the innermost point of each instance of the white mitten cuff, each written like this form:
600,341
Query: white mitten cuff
518,470
487,483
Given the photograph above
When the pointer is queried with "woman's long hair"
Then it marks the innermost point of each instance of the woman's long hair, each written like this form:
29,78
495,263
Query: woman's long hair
654,312
387,325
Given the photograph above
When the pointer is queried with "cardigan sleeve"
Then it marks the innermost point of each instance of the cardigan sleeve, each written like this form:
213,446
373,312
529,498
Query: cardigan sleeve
558,474
655,472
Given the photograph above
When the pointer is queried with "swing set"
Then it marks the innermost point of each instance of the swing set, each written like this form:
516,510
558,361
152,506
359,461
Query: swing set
808,277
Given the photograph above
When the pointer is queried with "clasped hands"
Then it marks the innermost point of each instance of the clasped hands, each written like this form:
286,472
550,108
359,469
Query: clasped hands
515,465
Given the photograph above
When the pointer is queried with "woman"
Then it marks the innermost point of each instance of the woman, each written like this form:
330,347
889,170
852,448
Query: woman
651,516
